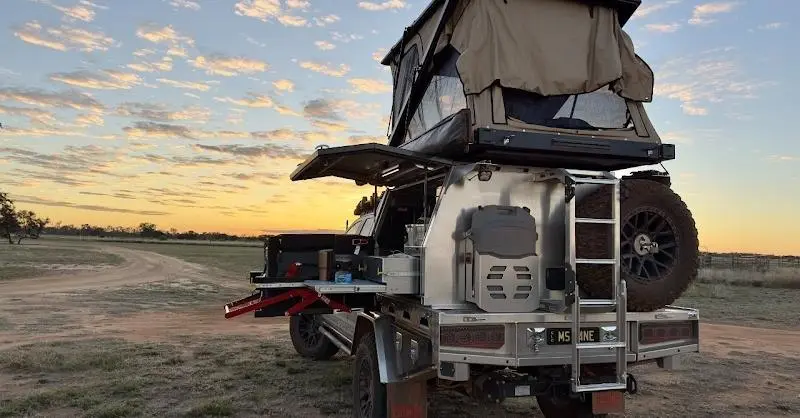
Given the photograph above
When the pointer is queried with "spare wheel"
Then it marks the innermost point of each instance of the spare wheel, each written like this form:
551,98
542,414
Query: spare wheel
659,248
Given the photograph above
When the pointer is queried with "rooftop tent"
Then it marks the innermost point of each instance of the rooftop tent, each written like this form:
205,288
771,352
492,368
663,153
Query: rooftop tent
519,73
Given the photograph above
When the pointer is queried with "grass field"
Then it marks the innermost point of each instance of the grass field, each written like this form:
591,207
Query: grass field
30,260
160,347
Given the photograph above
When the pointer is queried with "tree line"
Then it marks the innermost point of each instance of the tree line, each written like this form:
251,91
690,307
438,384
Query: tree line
143,230
16,225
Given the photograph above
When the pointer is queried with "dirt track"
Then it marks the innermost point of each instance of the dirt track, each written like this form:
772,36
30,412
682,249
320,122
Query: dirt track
36,299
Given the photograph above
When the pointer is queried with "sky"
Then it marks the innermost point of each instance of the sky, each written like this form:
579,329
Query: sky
191,114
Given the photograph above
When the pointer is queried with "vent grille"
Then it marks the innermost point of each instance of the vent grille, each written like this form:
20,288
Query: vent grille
518,272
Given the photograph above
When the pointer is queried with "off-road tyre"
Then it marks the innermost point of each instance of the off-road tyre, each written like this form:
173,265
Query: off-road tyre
369,394
308,341
565,408
653,280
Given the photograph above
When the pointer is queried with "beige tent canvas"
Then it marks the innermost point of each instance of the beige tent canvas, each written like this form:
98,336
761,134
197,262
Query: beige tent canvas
548,82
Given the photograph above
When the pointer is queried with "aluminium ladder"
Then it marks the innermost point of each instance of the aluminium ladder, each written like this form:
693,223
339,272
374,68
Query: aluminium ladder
617,303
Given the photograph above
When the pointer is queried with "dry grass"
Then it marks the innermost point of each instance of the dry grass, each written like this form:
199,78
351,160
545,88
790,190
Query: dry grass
36,258
776,278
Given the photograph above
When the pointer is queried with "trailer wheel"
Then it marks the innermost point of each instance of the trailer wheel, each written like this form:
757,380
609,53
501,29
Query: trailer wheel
369,394
564,407
659,248
307,340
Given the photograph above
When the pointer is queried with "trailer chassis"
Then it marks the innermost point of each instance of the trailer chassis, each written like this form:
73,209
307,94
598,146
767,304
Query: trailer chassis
404,349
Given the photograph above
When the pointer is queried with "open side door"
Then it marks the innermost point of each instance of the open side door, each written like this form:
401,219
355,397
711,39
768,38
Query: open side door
375,164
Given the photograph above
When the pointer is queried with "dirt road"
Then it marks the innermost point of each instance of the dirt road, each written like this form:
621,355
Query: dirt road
138,267
80,301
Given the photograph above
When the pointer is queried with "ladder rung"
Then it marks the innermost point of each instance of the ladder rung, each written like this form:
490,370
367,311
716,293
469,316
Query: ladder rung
600,386
595,181
595,261
590,346
598,302
595,221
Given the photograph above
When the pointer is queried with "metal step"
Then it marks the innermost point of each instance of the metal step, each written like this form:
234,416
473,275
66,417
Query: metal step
609,182
599,387
607,261
595,221
597,302
589,346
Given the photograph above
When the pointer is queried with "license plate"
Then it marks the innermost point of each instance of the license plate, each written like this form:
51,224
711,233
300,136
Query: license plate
557,336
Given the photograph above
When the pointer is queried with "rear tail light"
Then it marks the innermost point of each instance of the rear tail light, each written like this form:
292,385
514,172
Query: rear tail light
666,332
478,336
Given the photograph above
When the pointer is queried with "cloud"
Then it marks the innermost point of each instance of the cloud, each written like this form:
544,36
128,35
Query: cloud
289,20
37,116
366,139
47,202
343,38
368,85
250,40
160,113
267,10
784,158
189,85
772,26
385,5
259,9
329,126
101,80
162,34
36,132
284,85
178,51
77,12
143,52
338,110
219,64
252,100
663,27
157,130
701,13
271,151
89,119
709,77
153,66
68,163
326,69
322,109
297,4
286,134
690,109
326,20
379,54
257,100
69,99
324,45
63,38
649,9
185,4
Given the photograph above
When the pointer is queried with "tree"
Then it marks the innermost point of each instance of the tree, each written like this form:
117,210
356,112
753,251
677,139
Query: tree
19,225
30,226
9,222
